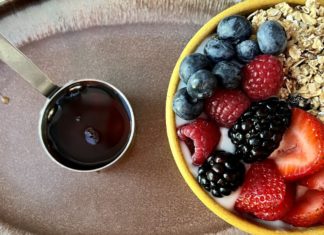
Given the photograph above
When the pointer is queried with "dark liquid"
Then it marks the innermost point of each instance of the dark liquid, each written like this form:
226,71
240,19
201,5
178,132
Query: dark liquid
89,128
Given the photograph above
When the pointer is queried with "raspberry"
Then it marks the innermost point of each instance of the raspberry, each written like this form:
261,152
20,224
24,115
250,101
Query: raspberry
262,77
205,136
226,106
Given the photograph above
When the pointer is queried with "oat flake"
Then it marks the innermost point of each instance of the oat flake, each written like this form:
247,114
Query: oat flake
303,61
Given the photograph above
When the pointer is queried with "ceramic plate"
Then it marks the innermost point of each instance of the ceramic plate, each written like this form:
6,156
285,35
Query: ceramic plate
133,45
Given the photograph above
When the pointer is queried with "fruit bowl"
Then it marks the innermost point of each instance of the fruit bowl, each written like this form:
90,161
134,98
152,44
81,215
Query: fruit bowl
181,156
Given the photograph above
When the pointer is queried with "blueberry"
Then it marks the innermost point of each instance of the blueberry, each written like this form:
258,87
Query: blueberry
272,38
91,136
234,28
201,84
192,64
185,106
237,63
228,73
247,50
217,50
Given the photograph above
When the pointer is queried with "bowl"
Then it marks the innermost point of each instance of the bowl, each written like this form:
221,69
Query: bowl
243,224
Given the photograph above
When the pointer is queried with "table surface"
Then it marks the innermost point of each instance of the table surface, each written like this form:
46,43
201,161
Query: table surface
133,45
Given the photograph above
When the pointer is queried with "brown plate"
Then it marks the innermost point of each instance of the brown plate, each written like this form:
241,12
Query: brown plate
133,45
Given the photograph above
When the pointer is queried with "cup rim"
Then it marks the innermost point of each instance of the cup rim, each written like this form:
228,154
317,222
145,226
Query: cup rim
122,96
243,224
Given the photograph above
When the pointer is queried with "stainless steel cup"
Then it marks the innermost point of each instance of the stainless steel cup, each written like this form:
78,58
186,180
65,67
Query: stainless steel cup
32,74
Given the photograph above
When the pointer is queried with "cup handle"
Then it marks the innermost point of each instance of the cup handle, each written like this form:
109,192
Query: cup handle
17,61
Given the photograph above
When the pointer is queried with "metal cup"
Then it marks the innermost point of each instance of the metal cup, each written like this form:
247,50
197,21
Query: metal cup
32,74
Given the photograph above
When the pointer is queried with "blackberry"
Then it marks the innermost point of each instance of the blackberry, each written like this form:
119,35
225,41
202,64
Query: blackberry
259,130
221,174
298,101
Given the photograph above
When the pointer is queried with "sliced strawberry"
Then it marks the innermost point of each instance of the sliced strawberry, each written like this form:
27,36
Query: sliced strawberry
307,211
282,209
315,181
301,150
264,192
204,135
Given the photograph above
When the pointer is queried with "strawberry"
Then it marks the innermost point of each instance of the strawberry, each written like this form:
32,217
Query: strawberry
204,135
301,150
307,211
282,209
315,181
264,192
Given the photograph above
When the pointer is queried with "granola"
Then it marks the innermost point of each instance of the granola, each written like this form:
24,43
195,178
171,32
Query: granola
303,60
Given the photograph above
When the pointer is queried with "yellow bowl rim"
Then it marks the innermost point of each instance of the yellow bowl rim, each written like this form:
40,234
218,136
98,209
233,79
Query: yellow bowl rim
231,218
